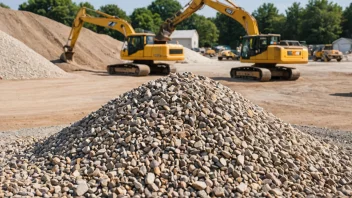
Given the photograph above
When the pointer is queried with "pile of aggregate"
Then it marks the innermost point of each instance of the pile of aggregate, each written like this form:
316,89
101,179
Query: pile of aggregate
18,61
195,57
179,136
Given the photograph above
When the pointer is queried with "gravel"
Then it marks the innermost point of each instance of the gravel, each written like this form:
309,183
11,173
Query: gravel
195,57
18,61
179,136
336,137
7,137
348,58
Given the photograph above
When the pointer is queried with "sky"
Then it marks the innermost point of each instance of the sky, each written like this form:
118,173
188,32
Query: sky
129,5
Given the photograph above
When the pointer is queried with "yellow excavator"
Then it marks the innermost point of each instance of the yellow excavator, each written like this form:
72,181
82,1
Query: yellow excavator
139,48
264,50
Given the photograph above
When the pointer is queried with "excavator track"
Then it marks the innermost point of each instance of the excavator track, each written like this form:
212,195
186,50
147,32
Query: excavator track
162,69
256,73
295,74
129,69
285,73
266,74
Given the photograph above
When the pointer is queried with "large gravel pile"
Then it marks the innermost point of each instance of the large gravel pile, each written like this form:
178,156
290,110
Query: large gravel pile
18,61
195,57
179,136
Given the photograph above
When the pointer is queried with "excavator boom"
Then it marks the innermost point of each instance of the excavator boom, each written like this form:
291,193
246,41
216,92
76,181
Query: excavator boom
232,10
108,21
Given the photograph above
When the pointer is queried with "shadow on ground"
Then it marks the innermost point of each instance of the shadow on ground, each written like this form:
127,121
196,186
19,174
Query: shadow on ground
342,94
228,79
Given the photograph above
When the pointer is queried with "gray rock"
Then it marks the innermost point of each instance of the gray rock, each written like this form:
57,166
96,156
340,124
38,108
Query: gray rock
81,189
276,191
219,191
150,178
240,160
199,185
203,194
86,149
242,187
138,185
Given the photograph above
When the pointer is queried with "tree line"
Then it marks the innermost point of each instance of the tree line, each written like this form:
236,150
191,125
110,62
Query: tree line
317,22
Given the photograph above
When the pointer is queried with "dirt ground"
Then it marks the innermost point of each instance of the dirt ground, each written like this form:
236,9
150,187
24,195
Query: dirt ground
321,97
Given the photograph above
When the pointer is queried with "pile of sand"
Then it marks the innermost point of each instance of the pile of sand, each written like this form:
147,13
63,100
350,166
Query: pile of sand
46,37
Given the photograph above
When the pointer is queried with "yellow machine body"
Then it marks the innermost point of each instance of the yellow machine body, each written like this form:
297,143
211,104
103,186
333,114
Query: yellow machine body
264,50
140,48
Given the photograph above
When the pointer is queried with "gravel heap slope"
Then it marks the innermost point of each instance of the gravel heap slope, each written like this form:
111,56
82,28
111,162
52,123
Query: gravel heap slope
195,57
182,136
46,37
18,61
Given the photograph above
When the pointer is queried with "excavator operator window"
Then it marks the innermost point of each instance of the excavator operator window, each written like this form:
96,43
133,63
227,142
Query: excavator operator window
328,47
135,43
252,46
263,43
274,40
245,48
150,40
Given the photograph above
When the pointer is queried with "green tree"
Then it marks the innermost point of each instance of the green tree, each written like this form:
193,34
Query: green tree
206,28
293,25
114,10
321,22
165,8
4,6
62,11
230,30
143,18
268,18
347,22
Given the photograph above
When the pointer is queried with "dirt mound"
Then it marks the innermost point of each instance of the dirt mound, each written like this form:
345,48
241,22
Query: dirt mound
46,37
18,61
179,136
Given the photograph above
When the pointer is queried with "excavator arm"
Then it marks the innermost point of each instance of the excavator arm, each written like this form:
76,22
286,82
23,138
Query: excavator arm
248,22
108,21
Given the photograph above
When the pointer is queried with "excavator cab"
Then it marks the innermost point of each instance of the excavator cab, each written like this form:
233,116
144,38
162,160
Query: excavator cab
258,44
137,42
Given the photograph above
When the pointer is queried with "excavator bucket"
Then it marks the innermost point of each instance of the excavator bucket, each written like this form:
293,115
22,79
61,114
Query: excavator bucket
67,57
162,36
164,33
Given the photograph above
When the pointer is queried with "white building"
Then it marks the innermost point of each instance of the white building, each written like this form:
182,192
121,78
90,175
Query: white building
187,38
343,44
